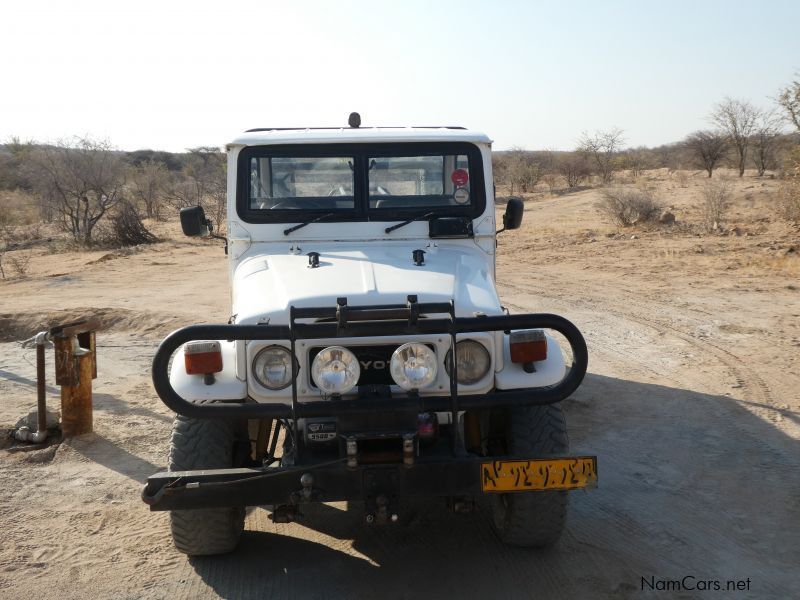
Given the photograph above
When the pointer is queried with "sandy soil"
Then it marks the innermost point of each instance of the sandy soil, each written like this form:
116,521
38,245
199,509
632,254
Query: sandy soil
690,404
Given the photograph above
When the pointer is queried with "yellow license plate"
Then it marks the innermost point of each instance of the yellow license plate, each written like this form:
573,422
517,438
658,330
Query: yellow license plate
539,474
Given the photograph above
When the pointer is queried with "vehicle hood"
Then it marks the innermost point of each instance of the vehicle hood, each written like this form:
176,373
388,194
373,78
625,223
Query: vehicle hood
265,285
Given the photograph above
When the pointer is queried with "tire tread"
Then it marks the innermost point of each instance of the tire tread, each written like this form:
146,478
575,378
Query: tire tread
204,444
534,519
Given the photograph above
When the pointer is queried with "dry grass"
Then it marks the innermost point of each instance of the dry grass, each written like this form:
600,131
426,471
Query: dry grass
18,261
18,208
629,206
788,264
682,177
716,197
123,227
788,205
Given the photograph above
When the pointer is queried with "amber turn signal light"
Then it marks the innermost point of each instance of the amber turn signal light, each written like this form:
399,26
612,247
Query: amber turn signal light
202,358
528,346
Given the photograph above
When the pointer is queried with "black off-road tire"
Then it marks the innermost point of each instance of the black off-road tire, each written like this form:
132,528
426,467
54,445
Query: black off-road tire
205,444
532,519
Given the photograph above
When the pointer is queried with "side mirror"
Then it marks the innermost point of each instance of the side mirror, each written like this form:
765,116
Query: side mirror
194,222
512,218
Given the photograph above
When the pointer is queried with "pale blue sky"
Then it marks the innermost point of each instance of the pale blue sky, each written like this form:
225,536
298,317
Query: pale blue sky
171,75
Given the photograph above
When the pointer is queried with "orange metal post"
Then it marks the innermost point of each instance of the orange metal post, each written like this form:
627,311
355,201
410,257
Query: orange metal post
76,400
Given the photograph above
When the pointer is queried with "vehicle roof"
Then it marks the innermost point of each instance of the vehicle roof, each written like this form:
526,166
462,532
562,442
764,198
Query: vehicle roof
351,135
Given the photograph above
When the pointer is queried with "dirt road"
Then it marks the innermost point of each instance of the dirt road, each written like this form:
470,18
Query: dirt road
690,404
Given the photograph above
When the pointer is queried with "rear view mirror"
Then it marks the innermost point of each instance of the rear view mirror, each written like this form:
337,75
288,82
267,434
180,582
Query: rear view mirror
194,222
512,218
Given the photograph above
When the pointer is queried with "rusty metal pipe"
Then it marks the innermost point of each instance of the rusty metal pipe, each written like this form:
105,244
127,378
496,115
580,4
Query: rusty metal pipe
24,434
41,395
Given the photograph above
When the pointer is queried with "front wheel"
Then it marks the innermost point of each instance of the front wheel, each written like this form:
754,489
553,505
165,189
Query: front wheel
532,519
205,444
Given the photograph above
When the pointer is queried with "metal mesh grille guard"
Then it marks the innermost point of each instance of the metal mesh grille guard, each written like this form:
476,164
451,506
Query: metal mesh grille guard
389,320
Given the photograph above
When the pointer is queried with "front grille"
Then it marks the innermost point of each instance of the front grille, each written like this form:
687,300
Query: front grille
374,361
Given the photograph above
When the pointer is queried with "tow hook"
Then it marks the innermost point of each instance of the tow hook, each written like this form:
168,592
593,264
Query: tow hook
288,513
307,481
305,493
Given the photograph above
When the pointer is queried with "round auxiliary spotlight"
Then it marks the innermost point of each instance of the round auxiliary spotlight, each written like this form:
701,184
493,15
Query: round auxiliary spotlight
335,370
413,366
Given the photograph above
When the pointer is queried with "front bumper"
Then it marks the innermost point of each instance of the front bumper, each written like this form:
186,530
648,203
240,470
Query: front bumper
453,473
334,481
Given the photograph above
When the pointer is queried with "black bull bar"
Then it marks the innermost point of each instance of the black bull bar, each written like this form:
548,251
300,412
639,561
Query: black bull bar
436,475
381,320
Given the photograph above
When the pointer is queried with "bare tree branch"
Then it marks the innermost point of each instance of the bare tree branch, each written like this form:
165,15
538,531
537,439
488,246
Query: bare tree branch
708,148
765,141
738,119
574,168
789,101
81,179
523,170
203,182
148,182
601,149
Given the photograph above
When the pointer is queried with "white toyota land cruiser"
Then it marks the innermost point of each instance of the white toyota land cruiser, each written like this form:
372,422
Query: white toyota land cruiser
368,356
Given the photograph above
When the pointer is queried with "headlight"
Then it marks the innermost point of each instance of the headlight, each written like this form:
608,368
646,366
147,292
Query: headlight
335,370
272,367
413,366
473,362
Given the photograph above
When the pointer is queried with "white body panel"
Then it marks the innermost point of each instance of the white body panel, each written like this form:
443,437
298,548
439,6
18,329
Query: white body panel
225,387
366,273
548,372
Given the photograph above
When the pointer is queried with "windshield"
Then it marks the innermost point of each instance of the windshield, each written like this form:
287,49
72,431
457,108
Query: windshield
418,181
359,181
293,183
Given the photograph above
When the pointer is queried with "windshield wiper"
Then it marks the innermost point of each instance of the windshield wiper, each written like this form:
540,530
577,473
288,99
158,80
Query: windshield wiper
404,223
301,225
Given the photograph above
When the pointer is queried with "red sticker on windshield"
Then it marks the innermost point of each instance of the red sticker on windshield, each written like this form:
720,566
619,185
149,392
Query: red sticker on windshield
460,177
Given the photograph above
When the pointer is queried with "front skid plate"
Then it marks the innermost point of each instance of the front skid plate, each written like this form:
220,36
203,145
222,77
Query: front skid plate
331,482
